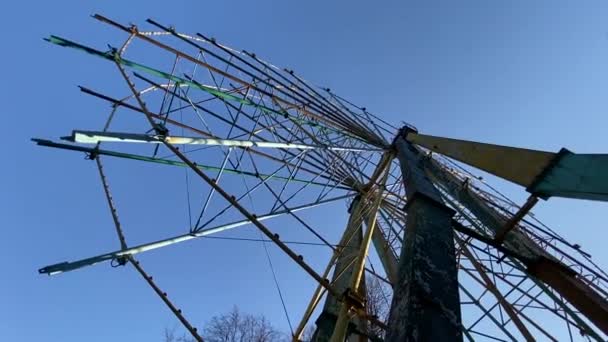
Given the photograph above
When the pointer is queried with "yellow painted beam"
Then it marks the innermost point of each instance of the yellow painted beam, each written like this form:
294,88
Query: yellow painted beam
518,165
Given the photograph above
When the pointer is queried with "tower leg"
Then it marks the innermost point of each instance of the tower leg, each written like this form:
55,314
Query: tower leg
351,242
426,305
540,265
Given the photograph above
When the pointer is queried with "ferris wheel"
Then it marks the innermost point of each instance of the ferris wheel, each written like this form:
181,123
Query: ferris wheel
458,259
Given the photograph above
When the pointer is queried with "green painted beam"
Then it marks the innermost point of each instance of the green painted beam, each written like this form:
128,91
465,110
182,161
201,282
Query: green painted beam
114,57
49,143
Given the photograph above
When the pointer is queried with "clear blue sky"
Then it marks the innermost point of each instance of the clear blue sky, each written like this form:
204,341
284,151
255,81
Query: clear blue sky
513,73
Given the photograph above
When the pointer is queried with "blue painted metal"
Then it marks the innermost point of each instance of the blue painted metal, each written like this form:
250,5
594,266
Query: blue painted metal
582,176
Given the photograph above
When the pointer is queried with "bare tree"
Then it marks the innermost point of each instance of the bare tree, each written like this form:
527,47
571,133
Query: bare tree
234,326
378,303
171,336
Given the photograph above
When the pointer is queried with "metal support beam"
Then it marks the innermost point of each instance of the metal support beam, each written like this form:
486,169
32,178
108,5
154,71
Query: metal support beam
230,198
574,289
517,165
163,295
314,300
544,174
92,151
350,264
74,265
494,290
106,190
387,257
426,304
513,221
354,297
350,245
539,264
95,137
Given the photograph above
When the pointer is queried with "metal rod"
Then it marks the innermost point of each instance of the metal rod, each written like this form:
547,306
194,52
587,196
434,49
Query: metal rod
340,329
163,295
231,199
492,288
513,221
193,60
351,239
106,189
249,133
90,150
212,191
347,236
485,311
93,137
70,266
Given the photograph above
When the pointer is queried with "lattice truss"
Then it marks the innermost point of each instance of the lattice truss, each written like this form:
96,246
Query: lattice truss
271,150
506,292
